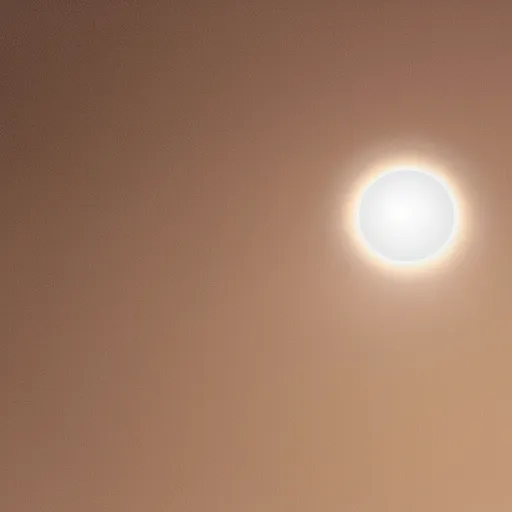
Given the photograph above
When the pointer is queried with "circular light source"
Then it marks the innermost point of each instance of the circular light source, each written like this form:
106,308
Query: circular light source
406,216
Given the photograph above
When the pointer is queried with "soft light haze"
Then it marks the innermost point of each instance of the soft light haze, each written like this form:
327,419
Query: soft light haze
187,323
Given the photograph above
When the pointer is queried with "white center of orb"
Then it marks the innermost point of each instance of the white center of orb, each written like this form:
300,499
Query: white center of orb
406,216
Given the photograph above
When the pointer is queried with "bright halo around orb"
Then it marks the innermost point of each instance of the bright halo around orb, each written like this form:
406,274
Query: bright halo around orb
407,216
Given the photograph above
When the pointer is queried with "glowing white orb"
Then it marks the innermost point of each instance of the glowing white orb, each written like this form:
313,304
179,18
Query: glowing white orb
406,216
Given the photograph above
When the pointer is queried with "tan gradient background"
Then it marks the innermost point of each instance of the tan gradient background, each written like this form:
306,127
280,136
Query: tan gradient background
183,328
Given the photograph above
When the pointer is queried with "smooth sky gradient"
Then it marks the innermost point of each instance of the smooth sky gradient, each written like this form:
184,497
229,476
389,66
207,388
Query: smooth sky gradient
185,326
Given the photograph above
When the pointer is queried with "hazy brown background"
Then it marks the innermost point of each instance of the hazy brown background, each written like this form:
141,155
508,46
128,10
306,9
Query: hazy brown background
182,328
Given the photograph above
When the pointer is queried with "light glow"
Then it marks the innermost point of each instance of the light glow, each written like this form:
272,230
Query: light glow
406,216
